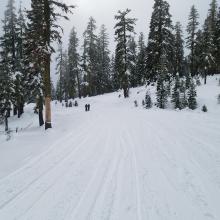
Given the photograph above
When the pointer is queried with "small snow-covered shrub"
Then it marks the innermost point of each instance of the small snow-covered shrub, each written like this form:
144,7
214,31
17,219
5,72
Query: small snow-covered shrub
204,108
148,101
135,103
198,82
76,104
8,135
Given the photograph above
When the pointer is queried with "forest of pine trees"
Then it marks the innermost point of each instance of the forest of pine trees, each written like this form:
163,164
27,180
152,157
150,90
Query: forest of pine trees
89,68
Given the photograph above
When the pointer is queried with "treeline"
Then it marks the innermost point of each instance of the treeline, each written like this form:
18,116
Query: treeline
91,69
25,56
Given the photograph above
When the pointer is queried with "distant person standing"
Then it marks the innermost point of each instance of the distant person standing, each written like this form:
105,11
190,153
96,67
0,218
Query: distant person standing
88,107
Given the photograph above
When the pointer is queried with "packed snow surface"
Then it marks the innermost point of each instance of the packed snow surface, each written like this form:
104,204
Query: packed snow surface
115,162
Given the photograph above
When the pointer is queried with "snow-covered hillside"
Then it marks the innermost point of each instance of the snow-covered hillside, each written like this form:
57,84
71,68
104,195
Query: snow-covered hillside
114,162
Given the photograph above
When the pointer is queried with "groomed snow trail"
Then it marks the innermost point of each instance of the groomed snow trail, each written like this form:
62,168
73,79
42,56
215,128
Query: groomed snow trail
121,164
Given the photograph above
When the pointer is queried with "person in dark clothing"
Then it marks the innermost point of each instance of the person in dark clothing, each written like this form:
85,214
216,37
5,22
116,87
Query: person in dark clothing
88,107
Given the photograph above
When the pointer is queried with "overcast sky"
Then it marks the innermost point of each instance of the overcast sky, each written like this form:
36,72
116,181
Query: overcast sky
104,10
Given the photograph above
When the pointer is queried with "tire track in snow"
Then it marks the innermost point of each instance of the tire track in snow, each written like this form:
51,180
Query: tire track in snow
10,193
189,185
66,177
104,203
95,182
129,141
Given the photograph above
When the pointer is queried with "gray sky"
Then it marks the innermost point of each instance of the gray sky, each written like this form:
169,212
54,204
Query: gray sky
104,10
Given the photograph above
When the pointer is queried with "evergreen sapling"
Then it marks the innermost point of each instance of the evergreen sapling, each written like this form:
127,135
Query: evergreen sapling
148,100
192,95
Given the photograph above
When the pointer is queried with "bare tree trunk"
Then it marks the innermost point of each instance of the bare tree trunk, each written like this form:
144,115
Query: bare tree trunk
47,56
40,111
6,123
15,110
47,84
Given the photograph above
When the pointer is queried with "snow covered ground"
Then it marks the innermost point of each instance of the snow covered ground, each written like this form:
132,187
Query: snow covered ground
115,162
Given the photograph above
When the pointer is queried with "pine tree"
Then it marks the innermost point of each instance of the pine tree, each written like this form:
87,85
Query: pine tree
6,84
74,61
9,53
191,38
212,28
114,75
20,87
160,40
162,93
217,37
43,28
178,50
207,55
103,61
123,30
192,103
176,93
183,93
90,58
148,101
69,88
132,64
33,56
61,72
64,87
141,60
199,68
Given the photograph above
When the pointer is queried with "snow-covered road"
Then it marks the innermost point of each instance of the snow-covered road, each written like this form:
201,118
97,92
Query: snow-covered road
120,163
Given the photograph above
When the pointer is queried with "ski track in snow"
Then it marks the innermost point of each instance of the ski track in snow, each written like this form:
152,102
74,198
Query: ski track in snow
121,163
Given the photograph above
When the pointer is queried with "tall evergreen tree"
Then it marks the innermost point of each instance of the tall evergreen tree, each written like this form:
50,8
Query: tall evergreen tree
207,55
212,25
33,56
160,40
103,61
61,86
46,29
74,62
114,75
141,60
9,53
192,28
198,63
132,64
123,30
20,86
90,58
65,89
6,83
162,92
176,93
192,103
178,50
217,37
